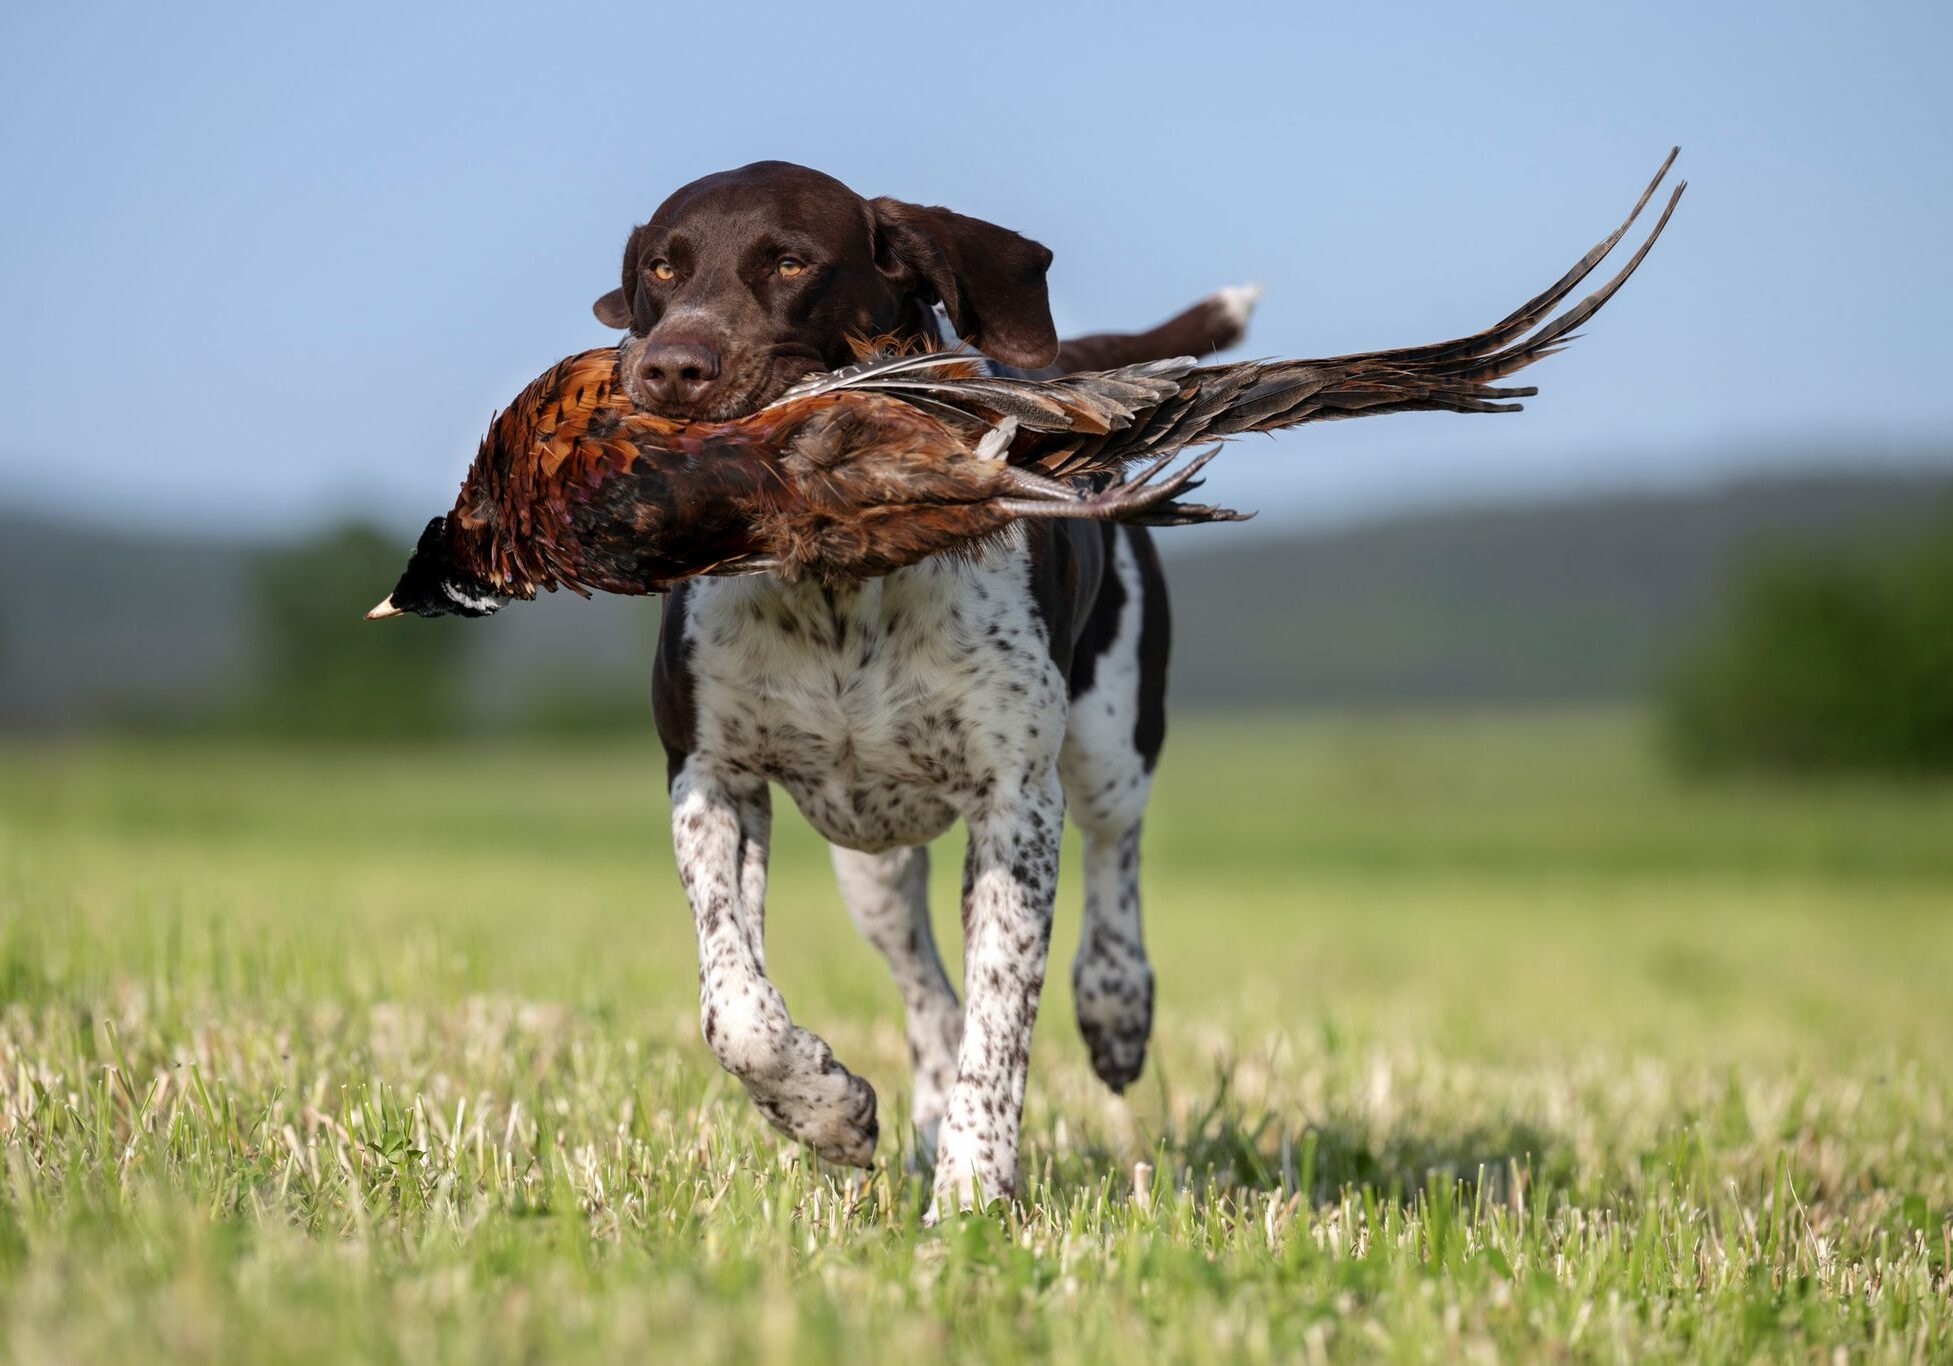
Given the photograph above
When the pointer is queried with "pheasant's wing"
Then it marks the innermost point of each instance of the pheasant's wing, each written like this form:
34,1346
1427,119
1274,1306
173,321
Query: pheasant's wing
953,386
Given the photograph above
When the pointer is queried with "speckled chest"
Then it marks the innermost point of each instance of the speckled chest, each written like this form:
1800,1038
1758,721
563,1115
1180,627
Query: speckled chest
885,709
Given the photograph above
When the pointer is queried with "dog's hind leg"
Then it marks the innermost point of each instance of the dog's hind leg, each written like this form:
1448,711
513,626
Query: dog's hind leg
888,897
1112,740
1111,979
720,829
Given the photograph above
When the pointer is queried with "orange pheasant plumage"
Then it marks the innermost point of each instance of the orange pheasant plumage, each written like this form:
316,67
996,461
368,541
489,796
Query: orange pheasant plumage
863,471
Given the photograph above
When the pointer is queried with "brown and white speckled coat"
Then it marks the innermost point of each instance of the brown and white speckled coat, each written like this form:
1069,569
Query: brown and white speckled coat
990,690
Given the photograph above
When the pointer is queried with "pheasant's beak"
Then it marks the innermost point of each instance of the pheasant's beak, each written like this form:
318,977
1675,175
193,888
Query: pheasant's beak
385,609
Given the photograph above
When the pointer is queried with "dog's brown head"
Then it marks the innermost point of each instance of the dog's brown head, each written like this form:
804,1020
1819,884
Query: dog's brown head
747,280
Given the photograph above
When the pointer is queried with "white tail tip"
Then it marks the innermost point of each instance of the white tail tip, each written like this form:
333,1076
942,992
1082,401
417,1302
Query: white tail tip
1238,301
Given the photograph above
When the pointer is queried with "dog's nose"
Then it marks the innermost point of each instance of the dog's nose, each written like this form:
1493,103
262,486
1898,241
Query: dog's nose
677,372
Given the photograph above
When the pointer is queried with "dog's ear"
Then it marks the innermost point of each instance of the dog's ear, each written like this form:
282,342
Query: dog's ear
614,309
989,279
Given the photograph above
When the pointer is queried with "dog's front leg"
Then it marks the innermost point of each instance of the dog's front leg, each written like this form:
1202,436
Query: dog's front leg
1009,881
720,829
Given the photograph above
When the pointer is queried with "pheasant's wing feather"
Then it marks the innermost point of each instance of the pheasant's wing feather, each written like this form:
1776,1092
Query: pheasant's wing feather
955,387
882,369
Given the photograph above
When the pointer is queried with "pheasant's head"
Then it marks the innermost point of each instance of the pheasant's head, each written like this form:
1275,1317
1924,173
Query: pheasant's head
433,585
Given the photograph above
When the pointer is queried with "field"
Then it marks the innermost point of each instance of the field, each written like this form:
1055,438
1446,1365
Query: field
1479,1037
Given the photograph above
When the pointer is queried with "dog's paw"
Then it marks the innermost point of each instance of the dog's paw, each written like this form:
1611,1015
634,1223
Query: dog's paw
833,1112
975,1172
848,1130
839,1123
1118,1052
1114,1005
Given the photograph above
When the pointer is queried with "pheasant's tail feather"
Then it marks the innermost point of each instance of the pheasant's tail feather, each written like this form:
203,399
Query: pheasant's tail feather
1457,376
1529,314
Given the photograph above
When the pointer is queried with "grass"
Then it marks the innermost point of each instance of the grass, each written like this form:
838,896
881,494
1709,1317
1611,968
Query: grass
1478,1038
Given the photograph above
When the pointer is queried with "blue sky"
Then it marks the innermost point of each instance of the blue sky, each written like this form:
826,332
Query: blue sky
263,266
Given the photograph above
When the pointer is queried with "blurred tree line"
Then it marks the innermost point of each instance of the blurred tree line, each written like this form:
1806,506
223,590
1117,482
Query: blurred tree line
1826,660
1831,662
325,672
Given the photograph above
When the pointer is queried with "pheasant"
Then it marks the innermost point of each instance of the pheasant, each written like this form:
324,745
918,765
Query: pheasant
862,471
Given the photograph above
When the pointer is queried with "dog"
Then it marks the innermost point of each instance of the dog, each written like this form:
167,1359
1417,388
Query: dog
1005,689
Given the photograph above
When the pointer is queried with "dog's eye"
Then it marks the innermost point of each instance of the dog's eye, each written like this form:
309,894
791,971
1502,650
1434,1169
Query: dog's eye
661,270
790,266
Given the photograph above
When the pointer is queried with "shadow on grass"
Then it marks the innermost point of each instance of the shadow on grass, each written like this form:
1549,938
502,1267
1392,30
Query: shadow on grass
1223,1145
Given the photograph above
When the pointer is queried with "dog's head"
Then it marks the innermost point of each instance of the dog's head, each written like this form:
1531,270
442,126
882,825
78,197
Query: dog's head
745,281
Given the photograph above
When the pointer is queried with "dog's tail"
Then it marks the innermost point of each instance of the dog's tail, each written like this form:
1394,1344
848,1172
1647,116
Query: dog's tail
1215,323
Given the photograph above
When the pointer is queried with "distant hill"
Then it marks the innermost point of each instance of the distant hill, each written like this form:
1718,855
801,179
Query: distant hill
1561,601
1552,601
